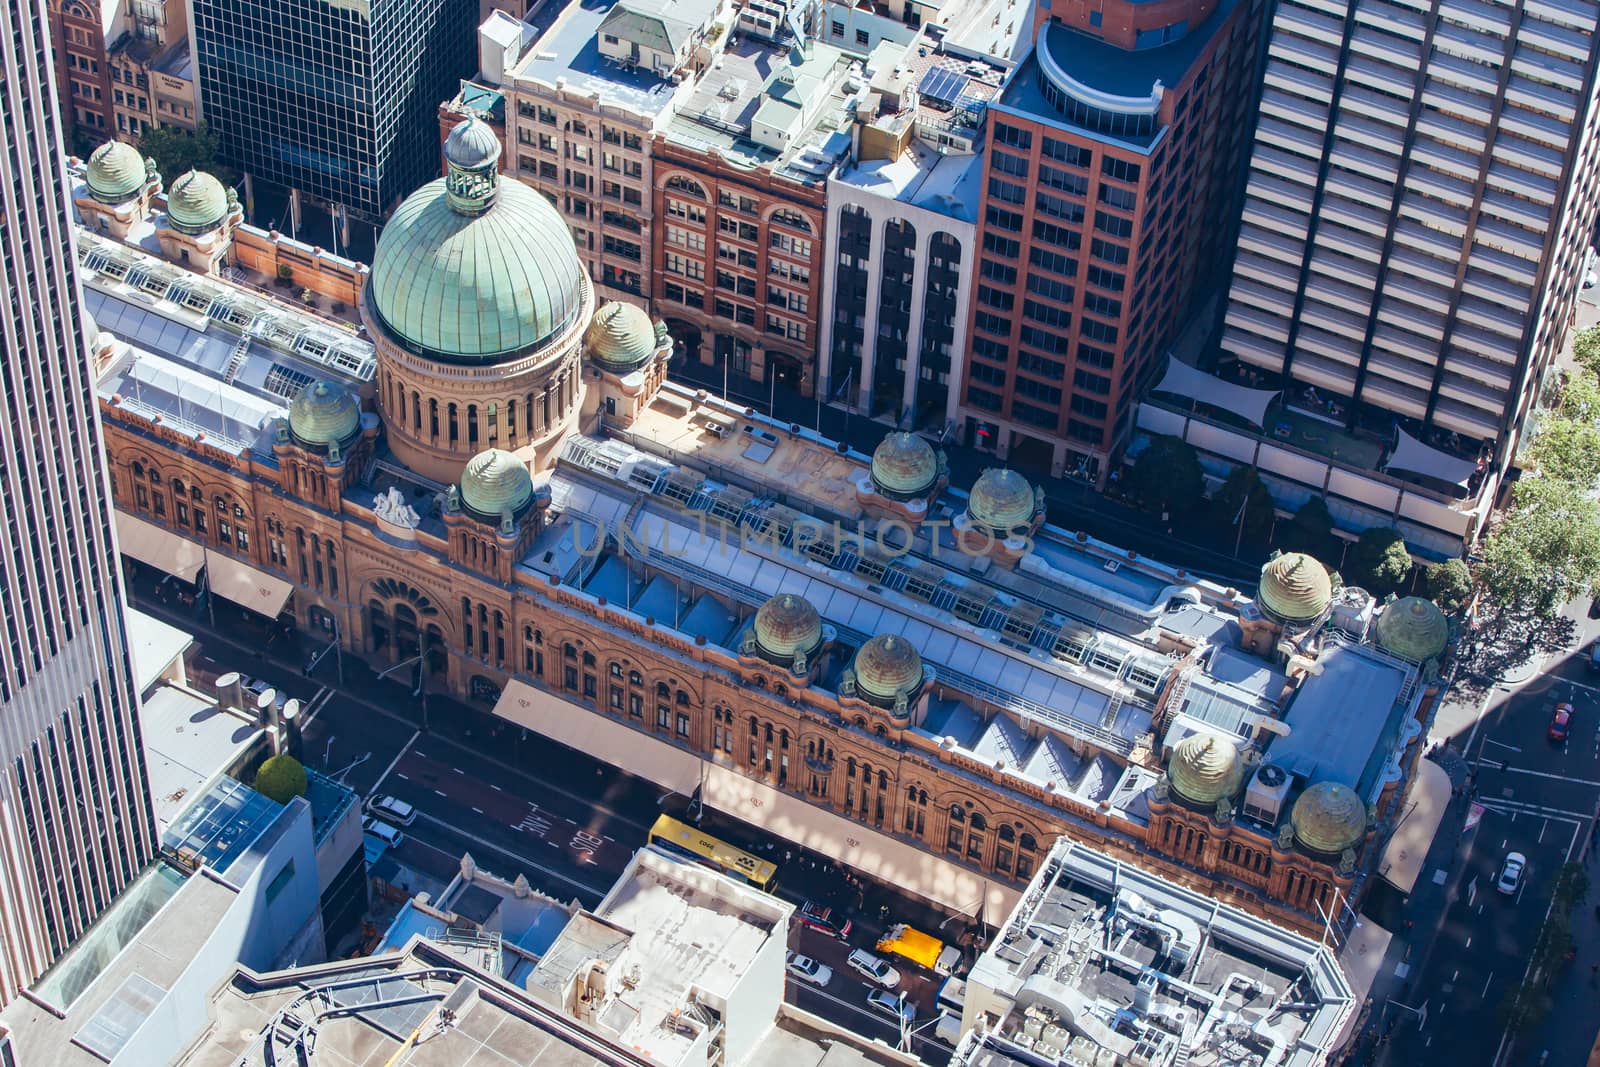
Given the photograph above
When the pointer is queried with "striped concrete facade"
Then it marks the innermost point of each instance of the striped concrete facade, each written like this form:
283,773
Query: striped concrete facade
75,820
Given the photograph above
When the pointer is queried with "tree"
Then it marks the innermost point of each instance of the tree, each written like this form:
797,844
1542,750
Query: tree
1243,494
1449,584
1546,552
1566,449
1167,477
1310,531
1586,350
281,778
178,151
1580,396
1379,561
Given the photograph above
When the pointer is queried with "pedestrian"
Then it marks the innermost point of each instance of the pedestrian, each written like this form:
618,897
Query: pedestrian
787,855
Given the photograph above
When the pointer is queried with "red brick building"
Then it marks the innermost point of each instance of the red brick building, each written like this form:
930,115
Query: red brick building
737,265
1114,152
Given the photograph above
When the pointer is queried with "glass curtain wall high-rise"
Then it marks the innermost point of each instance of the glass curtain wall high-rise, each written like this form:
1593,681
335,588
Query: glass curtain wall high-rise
337,100
75,818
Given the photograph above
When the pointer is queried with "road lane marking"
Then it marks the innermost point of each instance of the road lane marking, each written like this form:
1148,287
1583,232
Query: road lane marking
496,788
1486,982
396,760
598,891
402,777
1542,828
478,810
1468,944
458,770
1556,777
442,793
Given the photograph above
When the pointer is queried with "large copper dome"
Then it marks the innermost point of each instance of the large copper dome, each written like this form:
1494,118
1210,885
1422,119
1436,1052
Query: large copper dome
787,626
1205,768
887,668
1295,587
1329,818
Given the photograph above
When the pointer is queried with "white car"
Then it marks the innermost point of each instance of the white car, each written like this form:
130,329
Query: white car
874,968
894,1005
1511,872
391,809
809,970
382,831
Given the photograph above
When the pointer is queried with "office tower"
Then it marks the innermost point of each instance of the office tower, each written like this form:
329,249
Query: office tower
335,100
75,820
1422,190
1111,163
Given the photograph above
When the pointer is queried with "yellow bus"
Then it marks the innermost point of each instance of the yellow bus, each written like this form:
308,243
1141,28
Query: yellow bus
701,847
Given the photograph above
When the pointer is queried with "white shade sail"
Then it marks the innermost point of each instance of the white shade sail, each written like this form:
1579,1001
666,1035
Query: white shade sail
1413,457
1192,383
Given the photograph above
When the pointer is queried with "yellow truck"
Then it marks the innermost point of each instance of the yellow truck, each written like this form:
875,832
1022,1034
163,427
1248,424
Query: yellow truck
925,951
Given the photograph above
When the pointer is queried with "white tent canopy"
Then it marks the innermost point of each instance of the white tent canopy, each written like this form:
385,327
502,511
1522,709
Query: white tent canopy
1183,380
1414,457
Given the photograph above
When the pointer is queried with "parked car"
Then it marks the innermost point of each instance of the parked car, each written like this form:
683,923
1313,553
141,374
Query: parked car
382,831
391,810
824,919
1560,723
809,970
1511,872
893,1005
874,968
257,686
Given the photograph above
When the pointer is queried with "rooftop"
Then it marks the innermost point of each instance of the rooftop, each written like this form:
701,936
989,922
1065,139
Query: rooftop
188,741
221,826
154,644
1100,959
567,49
945,183
1344,718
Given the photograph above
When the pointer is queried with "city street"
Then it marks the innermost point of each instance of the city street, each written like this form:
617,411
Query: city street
1537,798
521,804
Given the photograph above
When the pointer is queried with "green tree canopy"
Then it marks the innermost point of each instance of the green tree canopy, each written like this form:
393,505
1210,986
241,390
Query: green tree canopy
281,778
1546,552
1449,584
1310,531
1586,350
1243,494
1167,477
178,151
1379,561
1566,450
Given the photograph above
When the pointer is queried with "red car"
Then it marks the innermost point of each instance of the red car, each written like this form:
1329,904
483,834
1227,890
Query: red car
1560,723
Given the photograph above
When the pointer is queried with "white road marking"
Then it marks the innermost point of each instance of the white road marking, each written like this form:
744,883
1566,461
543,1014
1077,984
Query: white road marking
1502,744
1468,944
396,760
402,777
1542,828
478,810
1486,982
1556,777
442,793
458,770
318,702
496,788
598,891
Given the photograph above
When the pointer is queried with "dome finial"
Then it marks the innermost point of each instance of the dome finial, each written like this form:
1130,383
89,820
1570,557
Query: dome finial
472,152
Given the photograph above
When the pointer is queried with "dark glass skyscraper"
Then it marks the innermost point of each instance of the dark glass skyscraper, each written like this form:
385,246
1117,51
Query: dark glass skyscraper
75,819
336,99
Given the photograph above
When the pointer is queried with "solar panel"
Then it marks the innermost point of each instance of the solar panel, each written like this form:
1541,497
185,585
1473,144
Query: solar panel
941,85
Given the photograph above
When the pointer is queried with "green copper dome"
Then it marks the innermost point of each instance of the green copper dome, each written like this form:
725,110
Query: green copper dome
1413,628
1295,587
1205,768
473,269
323,414
904,466
621,336
1329,818
1002,500
496,482
196,203
886,668
116,172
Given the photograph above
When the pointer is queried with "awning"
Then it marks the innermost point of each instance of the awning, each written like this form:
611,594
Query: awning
577,727
1192,383
1413,457
245,585
161,549
1361,958
1425,806
787,817
155,645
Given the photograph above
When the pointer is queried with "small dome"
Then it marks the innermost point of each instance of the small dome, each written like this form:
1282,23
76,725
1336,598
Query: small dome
621,336
116,172
886,668
904,466
1001,499
196,203
1295,587
1413,628
324,413
494,483
472,144
1205,768
1328,818
787,626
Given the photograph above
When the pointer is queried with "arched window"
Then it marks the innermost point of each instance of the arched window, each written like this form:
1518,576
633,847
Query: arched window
155,476
177,487
663,691
683,699
635,678
686,186
979,822
958,813
138,469
883,780
1007,833
588,659
849,766
911,794
1028,842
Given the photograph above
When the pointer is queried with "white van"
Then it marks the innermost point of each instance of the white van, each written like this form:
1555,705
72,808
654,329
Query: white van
382,831
952,996
948,1028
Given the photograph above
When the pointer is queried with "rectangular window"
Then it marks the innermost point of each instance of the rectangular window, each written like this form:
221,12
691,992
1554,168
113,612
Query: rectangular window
683,725
1012,136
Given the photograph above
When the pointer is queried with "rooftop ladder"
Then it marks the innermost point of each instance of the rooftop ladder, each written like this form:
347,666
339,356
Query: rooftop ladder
236,359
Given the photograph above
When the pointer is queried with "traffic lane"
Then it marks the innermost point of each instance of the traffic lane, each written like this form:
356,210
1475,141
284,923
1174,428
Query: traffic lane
593,810
352,745
533,842
503,815
852,1013
432,843
921,989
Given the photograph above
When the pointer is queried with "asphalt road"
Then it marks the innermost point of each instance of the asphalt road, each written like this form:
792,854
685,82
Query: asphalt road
1537,798
570,839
